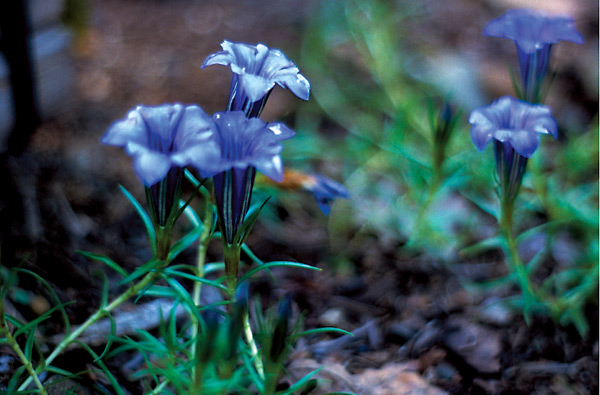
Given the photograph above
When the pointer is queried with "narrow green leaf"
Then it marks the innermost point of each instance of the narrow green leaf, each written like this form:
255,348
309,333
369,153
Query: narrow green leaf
142,270
43,317
275,264
106,260
323,330
144,216
482,246
29,344
184,295
192,216
482,204
15,381
54,296
18,324
184,242
161,292
195,278
104,298
62,372
244,230
111,337
251,254
213,267
302,382
102,366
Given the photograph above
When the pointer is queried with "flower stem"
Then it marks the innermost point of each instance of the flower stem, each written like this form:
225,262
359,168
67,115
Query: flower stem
231,254
232,263
253,349
103,311
26,362
201,259
512,257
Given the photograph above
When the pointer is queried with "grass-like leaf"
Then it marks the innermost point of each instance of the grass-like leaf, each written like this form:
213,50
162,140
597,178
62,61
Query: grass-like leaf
183,295
32,324
111,337
102,366
28,351
322,330
14,382
142,270
244,230
482,246
185,242
298,385
106,260
144,216
54,296
269,265
195,278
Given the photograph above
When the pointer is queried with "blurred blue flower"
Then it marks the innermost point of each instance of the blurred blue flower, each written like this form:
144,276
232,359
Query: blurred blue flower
326,191
534,33
514,126
246,145
256,69
163,137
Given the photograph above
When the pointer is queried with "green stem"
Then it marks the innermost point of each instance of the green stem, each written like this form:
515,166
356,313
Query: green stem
253,349
201,260
231,254
71,337
163,241
431,191
27,363
513,260
232,264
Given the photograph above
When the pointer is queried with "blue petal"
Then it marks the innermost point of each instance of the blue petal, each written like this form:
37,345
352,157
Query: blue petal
151,166
525,142
255,86
481,128
161,122
130,129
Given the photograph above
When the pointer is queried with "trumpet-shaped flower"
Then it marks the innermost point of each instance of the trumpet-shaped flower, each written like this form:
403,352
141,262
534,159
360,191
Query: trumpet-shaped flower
534,33
246,145
162,140
256,70
514,126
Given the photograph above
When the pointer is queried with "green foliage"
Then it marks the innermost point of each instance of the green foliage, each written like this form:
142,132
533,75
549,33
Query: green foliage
359,65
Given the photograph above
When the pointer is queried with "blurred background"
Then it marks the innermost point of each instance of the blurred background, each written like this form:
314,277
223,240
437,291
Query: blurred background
404,257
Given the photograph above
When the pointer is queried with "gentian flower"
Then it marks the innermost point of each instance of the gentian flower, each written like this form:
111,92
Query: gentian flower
162,140
246,145
256,70
514,126
325,190
534,33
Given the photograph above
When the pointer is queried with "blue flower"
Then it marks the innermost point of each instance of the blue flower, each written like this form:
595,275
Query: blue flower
325,191
246,145
256,70
514,126
160,138
534,33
